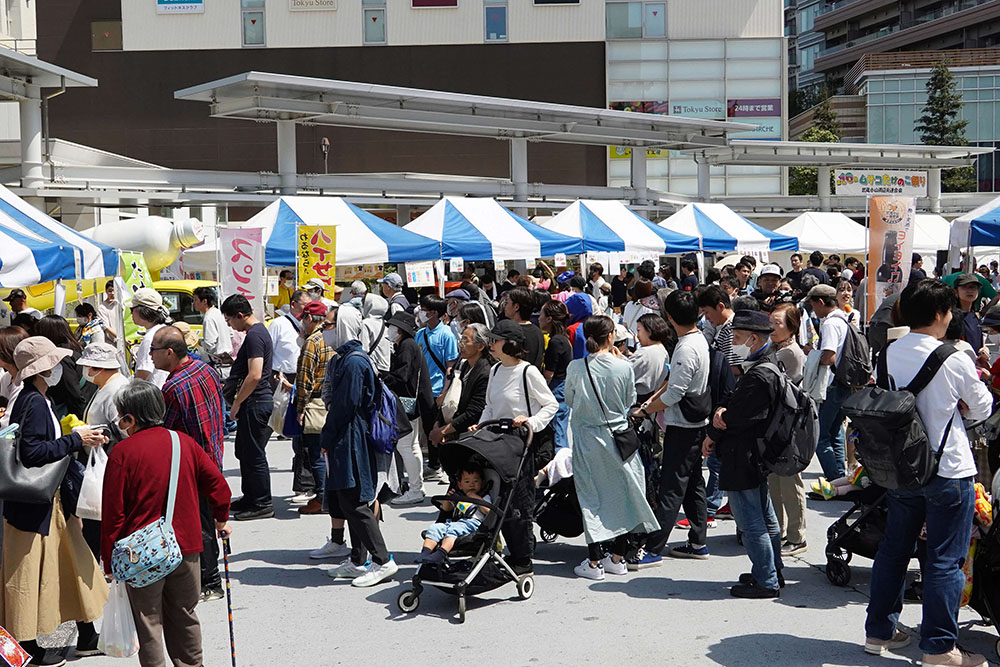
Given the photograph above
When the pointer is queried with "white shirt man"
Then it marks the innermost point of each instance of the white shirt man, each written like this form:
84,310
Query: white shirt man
286,336
106,308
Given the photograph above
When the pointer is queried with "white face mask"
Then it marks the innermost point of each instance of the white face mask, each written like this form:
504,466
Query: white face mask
422,318
82,321
90,374
392,332
290,284
741,352
53,378
330,337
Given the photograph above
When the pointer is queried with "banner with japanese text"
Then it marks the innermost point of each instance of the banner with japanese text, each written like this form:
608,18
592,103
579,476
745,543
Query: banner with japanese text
891,223
135,274
243,265
317,254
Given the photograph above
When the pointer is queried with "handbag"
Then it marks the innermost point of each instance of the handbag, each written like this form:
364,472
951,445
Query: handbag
452,397
314,417
27,485
151,553
626,441
410,404
696,407
231,388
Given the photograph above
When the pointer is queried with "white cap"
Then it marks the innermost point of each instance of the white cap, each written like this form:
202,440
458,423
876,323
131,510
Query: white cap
771,270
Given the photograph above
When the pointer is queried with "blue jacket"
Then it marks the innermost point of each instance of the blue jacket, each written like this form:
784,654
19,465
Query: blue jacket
349,394
39,446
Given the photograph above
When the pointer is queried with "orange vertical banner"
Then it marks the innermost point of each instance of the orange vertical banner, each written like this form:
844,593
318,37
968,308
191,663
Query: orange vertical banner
890,246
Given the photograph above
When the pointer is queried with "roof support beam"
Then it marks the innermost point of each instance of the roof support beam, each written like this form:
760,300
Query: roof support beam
638,173
287,164
823,188
704,181
934,189
519,173
30,111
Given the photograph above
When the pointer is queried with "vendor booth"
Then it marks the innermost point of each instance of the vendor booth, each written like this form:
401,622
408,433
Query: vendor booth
827,232
610,226
718,228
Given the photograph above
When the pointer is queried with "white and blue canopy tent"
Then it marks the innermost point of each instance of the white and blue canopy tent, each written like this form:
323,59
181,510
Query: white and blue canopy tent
34,248
478,229
611,226
362,237
720,229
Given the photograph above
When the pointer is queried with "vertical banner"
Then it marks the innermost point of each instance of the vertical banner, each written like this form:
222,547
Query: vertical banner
134,274
243,265
317,254
890,246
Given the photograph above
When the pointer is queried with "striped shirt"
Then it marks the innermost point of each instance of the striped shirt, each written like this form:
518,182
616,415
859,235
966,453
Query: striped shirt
193,396
309,376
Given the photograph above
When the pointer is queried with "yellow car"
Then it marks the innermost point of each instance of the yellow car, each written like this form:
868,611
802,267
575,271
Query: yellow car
178,297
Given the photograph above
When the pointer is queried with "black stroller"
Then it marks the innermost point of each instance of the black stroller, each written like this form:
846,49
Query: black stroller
558,512
476,564
860,534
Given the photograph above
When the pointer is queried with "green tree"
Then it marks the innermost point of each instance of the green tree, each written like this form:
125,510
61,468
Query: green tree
939,125
825,118
803,180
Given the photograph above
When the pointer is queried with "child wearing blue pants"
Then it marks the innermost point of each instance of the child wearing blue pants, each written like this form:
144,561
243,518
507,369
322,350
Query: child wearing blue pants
466,517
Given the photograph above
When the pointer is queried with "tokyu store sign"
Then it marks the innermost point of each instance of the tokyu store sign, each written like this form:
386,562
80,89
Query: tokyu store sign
863,182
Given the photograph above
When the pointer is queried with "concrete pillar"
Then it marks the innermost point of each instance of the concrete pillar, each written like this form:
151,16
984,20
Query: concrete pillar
402,214
519,173
287,165
823,188
638,165
30,111
704,182
934,189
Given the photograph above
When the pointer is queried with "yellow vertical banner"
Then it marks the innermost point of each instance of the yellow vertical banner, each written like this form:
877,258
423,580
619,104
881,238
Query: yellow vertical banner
317,253
890,246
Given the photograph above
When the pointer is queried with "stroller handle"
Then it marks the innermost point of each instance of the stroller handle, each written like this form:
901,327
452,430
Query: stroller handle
457,497
507,422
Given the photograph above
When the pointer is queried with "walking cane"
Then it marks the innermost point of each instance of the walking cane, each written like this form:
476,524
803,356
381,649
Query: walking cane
229,597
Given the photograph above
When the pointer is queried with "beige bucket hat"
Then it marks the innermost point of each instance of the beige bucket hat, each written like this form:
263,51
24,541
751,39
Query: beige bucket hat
36,354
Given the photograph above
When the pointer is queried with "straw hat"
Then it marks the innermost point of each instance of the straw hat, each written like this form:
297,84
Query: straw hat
99,355
36,354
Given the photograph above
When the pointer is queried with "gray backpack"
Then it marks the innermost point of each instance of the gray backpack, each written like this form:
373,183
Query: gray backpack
789,440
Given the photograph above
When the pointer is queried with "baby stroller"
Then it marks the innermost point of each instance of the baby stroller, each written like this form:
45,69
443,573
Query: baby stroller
476,564
861,536
558,512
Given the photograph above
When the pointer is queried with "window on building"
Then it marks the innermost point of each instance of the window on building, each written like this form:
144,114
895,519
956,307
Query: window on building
496,21
635,20
374,18
557,2
252,15
106,36
434,3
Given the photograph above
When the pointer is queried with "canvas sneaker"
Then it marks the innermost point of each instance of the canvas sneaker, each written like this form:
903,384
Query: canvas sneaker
611,567
585,570
956,657
791,549
685,524
348,570
689,551
643,559
411,497
331,550
879,646
212,593
302,498
724,512
376,573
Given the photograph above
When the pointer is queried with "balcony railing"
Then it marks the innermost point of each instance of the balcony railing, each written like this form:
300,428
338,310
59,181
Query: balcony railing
879,34
873,62
25,46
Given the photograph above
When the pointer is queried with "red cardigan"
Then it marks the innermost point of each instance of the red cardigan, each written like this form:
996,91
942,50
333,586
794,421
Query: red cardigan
135,489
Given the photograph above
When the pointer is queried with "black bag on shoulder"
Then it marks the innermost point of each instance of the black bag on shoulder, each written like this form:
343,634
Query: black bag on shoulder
699,407
626,441
892,440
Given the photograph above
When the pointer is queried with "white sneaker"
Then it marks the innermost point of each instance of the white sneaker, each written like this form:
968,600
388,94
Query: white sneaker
587,572
331,550
376,573
442,477
411,497
301,499
347,570
611,567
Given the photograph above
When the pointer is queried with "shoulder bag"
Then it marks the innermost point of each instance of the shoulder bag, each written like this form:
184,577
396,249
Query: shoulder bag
452,396
151,553
626,441
27,485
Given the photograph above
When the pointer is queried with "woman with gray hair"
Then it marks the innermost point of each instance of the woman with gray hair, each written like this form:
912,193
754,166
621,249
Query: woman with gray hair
474,373
136,485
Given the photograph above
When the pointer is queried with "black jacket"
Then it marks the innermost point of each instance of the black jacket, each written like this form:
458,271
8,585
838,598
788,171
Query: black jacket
408,375
746,416
473,400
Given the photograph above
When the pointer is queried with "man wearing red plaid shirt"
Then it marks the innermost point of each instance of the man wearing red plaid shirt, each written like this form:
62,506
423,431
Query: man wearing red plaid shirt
192,393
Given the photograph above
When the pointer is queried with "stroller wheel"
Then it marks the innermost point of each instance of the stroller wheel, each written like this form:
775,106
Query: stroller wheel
461,609
548,537
525,587
408,601
838,572
998,646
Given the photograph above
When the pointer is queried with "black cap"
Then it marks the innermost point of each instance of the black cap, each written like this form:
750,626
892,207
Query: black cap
404,321
752,320
16,293
966,279
991,319
508,330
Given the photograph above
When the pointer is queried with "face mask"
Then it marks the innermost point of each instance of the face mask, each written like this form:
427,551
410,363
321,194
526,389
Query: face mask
422,318
741,352
393,333
54,377
290,284
90,375
82,321
330,337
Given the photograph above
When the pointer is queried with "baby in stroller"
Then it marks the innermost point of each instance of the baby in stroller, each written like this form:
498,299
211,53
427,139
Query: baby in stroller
439,538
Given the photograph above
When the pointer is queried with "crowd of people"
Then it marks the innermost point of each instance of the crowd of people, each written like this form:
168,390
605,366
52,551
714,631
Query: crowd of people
694,361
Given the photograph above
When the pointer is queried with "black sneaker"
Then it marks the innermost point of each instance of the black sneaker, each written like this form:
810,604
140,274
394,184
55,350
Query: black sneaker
263,512
753,591
523,568
212,593
239,505
747,577
793,549
46,659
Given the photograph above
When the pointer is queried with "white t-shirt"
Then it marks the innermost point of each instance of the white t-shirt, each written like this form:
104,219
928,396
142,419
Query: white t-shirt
144,358
106,311
216,333
832,334
938,402
505,396
285,343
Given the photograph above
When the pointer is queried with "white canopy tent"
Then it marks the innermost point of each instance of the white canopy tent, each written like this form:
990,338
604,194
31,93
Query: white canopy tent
827,232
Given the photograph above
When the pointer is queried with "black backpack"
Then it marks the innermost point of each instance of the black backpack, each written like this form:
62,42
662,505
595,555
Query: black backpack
855,366
892,440
789,440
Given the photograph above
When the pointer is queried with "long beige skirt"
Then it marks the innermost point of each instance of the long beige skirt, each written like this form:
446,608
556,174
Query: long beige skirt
48,580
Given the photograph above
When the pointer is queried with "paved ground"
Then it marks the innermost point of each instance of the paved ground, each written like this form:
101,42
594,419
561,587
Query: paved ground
287,612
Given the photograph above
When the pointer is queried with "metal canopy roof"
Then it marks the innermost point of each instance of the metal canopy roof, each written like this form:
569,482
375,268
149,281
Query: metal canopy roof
261,96
809,154
17,69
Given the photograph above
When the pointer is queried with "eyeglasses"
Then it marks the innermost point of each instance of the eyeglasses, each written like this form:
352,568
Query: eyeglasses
326,326
156,349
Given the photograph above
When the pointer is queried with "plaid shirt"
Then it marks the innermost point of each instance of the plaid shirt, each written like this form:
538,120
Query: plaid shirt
193,395
316,354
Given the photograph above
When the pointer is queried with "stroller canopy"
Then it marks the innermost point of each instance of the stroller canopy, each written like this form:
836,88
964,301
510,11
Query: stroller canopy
503,451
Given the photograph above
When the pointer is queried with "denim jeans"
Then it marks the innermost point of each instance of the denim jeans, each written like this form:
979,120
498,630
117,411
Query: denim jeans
439,531
313,445
252,433
946,506
755,516
713,494
561,420
830,448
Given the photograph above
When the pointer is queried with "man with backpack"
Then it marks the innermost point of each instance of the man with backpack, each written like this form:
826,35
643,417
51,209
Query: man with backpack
945,504
392,290
733,436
